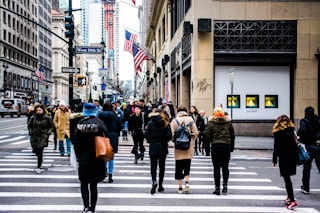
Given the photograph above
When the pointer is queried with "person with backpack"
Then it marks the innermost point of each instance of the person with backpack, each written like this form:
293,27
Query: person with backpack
158,134
220,138
183,157
309,133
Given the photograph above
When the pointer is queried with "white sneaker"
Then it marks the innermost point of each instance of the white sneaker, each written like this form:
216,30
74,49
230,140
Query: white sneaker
38,171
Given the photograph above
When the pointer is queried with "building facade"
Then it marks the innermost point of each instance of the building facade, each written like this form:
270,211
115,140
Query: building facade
18,50
259,59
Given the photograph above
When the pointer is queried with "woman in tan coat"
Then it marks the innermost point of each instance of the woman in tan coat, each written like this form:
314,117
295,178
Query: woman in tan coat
183,157
61,122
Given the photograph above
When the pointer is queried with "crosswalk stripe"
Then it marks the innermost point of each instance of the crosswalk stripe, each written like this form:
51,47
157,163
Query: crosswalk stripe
193,172
4,136
12,139
154,208
20,142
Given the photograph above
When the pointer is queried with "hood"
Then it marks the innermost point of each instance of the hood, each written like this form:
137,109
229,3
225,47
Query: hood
108,115
76,115
215,119
182,113
156,119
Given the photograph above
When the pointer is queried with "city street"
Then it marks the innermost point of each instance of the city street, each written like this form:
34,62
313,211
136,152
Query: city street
254,185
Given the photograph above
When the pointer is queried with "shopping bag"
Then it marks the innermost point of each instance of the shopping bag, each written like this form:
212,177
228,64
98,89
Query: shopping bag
303,155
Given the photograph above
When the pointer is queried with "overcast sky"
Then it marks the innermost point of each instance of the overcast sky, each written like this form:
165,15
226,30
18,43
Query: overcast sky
128,20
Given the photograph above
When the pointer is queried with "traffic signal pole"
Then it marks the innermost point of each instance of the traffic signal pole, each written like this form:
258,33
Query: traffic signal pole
70,35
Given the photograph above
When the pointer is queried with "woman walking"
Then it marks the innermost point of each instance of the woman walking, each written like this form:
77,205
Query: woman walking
285,149
183,157
158,134
40,127
220,138
195,116
113,123
91,170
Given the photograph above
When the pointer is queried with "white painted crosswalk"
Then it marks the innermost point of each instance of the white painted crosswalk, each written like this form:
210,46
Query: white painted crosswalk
21,190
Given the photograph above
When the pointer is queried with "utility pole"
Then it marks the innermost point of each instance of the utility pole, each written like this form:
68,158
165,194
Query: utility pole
70,34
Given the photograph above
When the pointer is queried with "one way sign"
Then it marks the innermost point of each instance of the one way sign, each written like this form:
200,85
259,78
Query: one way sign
70,70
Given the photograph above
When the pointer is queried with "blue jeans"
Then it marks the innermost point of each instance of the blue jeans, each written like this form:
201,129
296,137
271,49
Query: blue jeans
109,166
61,146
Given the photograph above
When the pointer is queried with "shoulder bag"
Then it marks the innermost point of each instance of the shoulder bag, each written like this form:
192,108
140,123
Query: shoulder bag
303,154
104,149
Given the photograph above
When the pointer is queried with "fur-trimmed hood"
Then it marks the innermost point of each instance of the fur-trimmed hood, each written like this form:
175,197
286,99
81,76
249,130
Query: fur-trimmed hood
216,119
76,115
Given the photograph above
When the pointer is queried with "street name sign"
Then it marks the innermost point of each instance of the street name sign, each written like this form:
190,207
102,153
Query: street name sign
70,70
88,50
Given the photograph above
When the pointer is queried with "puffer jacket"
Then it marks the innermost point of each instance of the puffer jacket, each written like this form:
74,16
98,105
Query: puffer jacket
157,135
183,117
219,131
40,130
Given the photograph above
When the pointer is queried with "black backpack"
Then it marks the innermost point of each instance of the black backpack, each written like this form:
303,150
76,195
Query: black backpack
182,136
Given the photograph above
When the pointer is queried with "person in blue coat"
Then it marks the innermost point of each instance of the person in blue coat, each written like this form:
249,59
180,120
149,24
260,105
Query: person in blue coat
158,134
114,126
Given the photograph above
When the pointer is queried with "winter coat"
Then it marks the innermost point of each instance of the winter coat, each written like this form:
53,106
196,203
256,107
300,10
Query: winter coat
113,123
91,169
61,122
40,130
136,123
73,120
158,135
183,117
219,131
309,130
285,148
126,114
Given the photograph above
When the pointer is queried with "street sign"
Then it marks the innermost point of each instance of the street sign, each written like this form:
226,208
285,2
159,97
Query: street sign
231,75
88,50
70,70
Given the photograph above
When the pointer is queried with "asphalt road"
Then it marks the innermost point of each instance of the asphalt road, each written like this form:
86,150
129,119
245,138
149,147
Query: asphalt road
254,185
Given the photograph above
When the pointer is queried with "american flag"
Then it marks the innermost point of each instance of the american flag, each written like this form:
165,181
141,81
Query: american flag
129,39
138,56
134,2
40,73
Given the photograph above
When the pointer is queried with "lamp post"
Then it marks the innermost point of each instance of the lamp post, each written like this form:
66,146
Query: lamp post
5,78
103,78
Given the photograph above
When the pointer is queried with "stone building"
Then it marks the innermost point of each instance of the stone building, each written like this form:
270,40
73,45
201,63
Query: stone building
260,59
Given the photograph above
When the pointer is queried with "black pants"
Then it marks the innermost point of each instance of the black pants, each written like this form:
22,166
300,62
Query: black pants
314,152
93,194
154,164
289,187
39,154
220,156
138,142
182,168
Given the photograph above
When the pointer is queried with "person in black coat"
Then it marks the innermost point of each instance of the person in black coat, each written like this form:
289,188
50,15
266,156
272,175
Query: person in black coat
309,133
113,124
91,170
286,150
136,127
158,134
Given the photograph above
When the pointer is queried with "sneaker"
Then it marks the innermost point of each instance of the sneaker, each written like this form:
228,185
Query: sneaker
187,188
304,190
180,191
286,201
292,205
38,171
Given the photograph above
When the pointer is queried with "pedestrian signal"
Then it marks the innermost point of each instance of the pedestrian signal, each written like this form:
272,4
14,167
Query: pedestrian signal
82,81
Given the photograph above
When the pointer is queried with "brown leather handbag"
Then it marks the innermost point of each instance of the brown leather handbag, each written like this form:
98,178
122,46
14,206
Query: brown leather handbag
104,149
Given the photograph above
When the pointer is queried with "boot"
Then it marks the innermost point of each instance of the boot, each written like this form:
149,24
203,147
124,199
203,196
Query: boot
160,188
110,179
216,191
225,189
154,187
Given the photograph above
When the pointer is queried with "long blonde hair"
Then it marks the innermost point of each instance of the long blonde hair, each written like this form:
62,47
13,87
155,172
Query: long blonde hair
163,116
282,122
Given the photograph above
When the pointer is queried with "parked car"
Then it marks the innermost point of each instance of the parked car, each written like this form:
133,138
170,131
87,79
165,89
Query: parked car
13,106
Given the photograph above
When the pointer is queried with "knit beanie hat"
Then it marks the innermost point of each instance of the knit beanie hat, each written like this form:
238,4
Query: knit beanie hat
89,109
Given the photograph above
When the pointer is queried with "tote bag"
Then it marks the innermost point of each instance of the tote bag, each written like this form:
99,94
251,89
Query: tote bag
104,149
303,155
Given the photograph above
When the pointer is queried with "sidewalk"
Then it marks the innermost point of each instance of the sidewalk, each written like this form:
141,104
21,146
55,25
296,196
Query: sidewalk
241,142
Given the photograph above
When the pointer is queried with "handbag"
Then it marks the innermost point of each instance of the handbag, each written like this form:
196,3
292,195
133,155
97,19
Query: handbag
303,154
104,149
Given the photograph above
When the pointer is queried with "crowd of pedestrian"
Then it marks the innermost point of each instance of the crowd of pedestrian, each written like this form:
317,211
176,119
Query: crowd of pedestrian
211,135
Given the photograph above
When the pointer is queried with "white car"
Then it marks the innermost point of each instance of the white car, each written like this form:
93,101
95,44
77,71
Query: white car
13,106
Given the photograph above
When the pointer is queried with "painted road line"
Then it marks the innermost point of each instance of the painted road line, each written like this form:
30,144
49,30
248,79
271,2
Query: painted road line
193,172
4,136
20,142
154,208
12,139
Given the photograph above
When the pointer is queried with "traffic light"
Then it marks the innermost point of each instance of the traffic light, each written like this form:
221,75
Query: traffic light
69,25
82,81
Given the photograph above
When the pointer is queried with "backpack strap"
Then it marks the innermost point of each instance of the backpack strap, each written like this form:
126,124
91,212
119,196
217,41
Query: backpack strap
177,121
189,124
